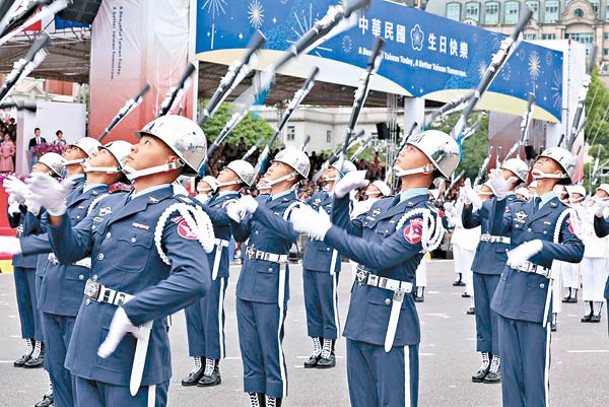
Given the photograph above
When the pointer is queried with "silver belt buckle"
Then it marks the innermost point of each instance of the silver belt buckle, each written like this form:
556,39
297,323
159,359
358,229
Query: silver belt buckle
360,276
92,289
250,252
398,295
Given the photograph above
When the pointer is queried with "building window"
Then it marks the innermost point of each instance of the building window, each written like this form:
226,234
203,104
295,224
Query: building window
511,12
472,11
491,12
534,5
551,11
291,134
607,12
453,11
585,38
606,36
529,37
605,51
548,36
578,12
328,136
595,6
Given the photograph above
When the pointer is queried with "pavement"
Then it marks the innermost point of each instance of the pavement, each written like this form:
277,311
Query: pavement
580,354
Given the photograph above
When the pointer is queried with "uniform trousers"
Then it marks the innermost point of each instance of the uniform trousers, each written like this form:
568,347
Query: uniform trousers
261,332
463,264
594,276
57,332
421,273
91,393
487,337
570,275
380,379
321,303
205,323
557,268
525,362
27,303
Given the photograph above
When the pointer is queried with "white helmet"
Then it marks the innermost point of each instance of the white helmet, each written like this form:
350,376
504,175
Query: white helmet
211,181
55,162
576,189
296,159
565,160
119,149
382,186
244,170
441,149
183,136
88,145
346,167
603,187
523,191
518,167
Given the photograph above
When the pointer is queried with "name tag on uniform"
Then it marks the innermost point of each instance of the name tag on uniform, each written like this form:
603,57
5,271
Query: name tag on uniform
98,219
107,210
140,226
545,222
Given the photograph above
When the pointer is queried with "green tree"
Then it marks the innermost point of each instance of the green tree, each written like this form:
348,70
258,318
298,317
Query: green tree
251,128
597,124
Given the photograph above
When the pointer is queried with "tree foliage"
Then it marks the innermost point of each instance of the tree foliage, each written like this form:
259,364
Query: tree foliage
251,128
597,124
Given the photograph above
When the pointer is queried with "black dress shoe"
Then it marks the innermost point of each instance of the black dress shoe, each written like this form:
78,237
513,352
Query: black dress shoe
22,360
566,299
212,380
193,377
492,377
586,318
312,362
553,327
419,298
471,311
595,318
326,363
479,376
34,363
466,295
459,283
47,401
572,300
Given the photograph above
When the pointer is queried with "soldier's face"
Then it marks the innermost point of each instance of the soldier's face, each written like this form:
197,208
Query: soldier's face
411,157
41,168
601,194
507,174
372,192
485,192
150,152
73,153
277,170
227,175
102,158
203,187
547,166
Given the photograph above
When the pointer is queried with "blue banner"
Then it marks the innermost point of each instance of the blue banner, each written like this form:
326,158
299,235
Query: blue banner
425,54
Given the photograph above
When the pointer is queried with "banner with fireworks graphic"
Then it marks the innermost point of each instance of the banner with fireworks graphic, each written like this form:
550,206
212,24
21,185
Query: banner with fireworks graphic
425,55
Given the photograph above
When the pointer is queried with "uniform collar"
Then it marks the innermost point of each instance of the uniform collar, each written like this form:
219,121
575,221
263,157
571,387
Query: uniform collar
148,190
547,197
87,188
411,193
281,194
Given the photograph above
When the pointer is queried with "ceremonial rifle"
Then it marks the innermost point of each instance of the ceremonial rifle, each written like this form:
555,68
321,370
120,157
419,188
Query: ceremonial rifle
253,149
525,124
507,47
451,106
237,71
24,66
334,156
176,94
498,157
484,166
28,105
389,171
594,172
306,143
363,146
7,9
455,181
129,107
36,10
581,100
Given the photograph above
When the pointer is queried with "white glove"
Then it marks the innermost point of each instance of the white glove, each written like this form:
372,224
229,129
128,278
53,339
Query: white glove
16,188
248,203
524,252
32,206
13,208
121,325
599,207
352,180
498,184
47,192
10,245
234,212
468,195
308,220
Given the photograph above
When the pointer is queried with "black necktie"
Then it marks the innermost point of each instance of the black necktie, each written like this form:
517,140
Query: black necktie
537,201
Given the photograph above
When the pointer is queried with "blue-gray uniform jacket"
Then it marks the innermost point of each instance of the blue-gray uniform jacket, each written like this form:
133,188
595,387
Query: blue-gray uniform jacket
119,236
63,284
221,222
601,228
318,255
491,257
26,224
521,295
270,233
386,252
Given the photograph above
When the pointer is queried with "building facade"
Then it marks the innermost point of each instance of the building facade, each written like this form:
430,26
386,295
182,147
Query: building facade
584,21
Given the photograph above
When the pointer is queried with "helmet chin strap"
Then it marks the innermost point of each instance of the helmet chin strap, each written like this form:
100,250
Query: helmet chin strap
226,184
74,162
400,172
108,170
538,174
133,174
270,183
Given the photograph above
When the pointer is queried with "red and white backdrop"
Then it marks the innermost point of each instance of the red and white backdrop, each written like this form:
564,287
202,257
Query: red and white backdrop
133,44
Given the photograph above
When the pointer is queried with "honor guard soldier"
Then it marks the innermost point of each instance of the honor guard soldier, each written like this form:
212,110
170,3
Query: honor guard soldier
489,262
388,242
321,267
206,188
540,232
601,225
63,284
205,318
23,216
262,288
146,249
